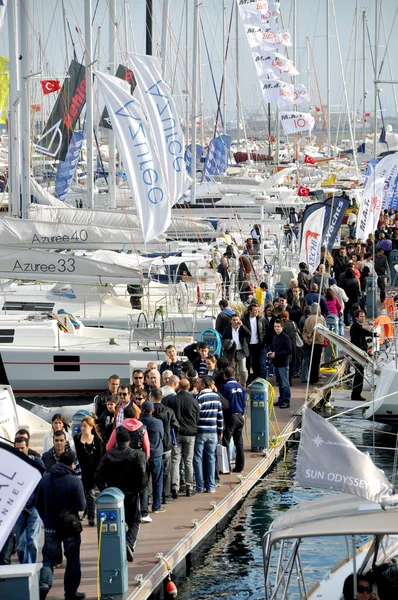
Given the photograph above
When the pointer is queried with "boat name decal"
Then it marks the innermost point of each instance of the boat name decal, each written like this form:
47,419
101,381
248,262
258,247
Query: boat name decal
77,236
60,266
337,477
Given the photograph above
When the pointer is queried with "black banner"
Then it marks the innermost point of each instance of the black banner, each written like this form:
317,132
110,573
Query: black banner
54,140
122,73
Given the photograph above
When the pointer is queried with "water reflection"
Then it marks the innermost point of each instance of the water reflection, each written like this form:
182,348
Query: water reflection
233,567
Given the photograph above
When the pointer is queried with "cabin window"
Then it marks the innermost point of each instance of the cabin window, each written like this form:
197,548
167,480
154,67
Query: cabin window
28,306
69,363
7,336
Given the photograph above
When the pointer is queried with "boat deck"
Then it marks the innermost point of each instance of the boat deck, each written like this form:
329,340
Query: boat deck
187,521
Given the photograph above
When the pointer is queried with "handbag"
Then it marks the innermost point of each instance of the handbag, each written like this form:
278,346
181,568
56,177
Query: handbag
68,523
222,459
299,340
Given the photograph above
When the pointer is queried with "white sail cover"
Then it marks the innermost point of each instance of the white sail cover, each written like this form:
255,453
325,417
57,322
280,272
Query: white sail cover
157,100
25,233
39,265
144,170
115,219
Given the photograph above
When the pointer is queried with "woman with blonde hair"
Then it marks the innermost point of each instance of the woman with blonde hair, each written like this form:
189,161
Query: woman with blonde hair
89,450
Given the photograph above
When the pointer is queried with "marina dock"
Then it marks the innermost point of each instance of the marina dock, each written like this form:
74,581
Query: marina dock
165,543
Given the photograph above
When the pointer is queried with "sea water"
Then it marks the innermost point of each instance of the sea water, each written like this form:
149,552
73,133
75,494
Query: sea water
233,566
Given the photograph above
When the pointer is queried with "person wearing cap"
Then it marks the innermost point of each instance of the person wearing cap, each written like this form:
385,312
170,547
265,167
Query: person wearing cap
125,468
156,434
59,490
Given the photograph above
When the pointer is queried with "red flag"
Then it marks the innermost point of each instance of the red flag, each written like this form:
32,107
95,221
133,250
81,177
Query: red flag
308,160
50,85
303,191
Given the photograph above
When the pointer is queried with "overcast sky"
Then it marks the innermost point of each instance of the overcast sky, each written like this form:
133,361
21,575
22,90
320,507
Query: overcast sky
311,23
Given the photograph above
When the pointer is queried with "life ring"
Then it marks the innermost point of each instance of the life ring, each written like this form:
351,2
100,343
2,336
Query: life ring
390,307
386,327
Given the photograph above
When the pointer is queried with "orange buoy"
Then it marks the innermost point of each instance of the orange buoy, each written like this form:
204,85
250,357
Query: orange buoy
386,327
171,589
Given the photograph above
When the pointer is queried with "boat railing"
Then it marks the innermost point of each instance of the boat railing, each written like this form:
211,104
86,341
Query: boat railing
151,334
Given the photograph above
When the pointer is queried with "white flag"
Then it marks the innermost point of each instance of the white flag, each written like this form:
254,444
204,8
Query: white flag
327,459
311,239
140,159
259,12
300,93
18,478
295,122
369,209
387,168
278,92
268,38
163,119
3,10
272,62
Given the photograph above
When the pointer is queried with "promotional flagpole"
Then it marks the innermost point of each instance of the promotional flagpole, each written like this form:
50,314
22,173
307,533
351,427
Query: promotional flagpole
328,76
14,142
194,94
364,93
237,80
111,138
163,43
89,102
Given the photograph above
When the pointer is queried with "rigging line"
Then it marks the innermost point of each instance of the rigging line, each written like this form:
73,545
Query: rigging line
50,28
94,13
387,41
174,76
211,71
223,76
389,63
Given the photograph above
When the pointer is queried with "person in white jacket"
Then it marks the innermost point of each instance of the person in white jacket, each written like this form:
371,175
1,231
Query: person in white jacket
342,297
58,423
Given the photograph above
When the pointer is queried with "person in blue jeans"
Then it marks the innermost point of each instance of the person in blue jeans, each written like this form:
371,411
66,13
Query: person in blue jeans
280,355
209,431
156,434
59,490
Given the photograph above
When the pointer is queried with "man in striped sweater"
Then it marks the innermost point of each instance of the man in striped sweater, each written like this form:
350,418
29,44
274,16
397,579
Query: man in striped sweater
210,430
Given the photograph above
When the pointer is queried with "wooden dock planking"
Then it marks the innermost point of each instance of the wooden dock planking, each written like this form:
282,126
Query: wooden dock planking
173,533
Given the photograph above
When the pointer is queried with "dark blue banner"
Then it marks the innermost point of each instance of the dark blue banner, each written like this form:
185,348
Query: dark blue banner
188,157
216,162
332,222
66,168
393,202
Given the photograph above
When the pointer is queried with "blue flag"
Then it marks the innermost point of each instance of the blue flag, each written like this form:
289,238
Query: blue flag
216,161
67,167
332,222
188,157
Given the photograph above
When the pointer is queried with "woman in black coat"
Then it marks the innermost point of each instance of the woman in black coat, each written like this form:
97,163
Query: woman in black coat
89,450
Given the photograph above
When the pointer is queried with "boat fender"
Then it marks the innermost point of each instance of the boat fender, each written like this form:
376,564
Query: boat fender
171,589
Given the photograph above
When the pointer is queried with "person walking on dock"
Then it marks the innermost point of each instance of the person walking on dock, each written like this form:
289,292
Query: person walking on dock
280,355
89,450
236,339
100,400
312,337
210,428
236,396
125,468
156,436
358,334
61,490
186,410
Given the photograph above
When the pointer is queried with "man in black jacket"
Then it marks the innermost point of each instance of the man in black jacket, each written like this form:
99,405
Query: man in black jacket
258,327
236,348
156,435
100,400
340,263
171,428
358,335
280,355
304,278
383,270
186,410
125,468
223,317
59,490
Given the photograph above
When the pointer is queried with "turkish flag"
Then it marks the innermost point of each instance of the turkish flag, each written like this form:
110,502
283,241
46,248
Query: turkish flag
308,160
303,191
50,85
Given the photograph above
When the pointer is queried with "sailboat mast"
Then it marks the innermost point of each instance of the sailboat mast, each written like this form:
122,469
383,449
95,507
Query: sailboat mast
376,76
163,44
328,77
25,15
354,126
89,102
194,94
237,79
14,113
364,73
112,71
148,36
224,66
